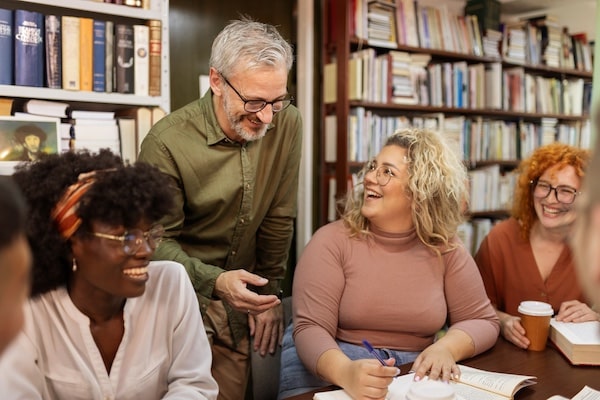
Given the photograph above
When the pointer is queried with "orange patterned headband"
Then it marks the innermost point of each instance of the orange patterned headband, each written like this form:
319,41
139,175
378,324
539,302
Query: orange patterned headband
64,212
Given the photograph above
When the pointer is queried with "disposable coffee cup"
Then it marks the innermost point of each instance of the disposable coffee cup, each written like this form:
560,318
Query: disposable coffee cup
430,390
535,318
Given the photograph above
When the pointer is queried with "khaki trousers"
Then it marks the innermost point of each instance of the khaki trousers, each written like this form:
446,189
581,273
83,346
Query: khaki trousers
230,364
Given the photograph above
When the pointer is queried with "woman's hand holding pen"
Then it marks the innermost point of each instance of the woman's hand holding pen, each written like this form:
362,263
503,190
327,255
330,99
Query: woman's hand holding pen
368,379
364,379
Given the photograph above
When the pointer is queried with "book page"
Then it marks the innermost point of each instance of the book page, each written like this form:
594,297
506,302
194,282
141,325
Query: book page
496,382
473,393
580,332
587,393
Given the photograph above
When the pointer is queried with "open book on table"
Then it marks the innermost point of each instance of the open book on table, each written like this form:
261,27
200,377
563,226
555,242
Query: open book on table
474,384
579,342
587,393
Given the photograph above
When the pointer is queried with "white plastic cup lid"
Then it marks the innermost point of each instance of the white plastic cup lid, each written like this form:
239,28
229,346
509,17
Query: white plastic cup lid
537,308
430,390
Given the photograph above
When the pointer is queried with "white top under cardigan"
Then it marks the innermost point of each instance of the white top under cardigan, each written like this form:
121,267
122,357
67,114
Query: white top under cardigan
164,353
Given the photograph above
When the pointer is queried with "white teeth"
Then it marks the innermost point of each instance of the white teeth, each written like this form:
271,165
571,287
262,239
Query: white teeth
371,193
135,271
548,210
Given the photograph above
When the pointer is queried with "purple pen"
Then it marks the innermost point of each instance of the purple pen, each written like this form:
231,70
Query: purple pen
373,352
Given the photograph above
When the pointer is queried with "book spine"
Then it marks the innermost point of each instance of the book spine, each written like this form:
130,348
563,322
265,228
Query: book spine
53,50
6,47
155,48
124,67
109,42
86,53
29,48
99,57
70,52
140,59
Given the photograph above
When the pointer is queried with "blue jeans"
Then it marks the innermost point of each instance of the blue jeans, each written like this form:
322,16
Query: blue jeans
294,378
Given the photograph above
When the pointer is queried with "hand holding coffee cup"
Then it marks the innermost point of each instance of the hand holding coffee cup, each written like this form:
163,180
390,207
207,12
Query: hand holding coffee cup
535,319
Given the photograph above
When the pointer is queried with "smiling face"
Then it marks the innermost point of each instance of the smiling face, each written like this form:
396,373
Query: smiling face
32,143
105,269
264,83
15,260
388,206
551,213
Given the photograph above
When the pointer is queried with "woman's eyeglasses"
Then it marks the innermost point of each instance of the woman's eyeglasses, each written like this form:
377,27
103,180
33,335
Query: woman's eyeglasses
383,173
564,194
133,239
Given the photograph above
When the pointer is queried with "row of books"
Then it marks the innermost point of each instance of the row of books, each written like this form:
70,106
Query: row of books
403,78
473,139
537,41
542,40
120,131
473,232
490,189
77,53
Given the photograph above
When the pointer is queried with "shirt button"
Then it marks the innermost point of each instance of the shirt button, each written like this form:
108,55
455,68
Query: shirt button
233,253
242,220
247,186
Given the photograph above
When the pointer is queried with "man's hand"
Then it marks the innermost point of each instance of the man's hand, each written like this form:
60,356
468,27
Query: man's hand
231,286
267,330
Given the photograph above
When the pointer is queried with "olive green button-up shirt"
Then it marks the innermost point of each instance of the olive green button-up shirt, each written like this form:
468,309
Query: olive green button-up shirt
235,203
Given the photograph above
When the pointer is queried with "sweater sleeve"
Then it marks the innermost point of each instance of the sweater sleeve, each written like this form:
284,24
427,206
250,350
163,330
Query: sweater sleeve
469,308
317,290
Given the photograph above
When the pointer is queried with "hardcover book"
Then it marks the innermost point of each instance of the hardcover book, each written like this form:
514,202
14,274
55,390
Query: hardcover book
29,48
578,341
86,53
124,58
6,47
53,52
99,57
70,52
155,49
109,47
140,59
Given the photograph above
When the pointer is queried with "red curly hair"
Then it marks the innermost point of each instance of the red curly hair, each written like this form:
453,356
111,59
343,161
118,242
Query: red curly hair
554,156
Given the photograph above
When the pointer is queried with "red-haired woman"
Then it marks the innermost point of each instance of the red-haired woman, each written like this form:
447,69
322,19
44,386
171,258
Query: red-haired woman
527,256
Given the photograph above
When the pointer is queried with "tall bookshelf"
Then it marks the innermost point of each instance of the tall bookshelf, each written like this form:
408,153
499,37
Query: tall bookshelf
141,110
159,10
338,47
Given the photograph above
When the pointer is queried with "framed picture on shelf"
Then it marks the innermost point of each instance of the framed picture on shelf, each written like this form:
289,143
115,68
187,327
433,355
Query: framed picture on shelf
25,139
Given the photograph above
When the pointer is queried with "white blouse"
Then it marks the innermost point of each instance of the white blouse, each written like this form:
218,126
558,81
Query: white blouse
164,353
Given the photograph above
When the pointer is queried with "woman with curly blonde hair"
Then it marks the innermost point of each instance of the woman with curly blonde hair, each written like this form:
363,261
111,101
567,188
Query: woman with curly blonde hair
392,271
527,256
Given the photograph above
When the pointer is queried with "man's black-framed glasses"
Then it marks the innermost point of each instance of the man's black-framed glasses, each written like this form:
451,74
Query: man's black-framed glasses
564,194
254,106
133,239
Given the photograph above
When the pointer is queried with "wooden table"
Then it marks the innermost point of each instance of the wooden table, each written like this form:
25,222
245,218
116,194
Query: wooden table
555,375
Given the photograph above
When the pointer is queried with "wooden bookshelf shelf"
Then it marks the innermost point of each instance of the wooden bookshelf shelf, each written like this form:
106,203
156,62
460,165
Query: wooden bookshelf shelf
527,99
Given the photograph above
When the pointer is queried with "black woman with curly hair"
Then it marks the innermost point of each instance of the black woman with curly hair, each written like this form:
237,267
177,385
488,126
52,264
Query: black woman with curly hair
104,321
